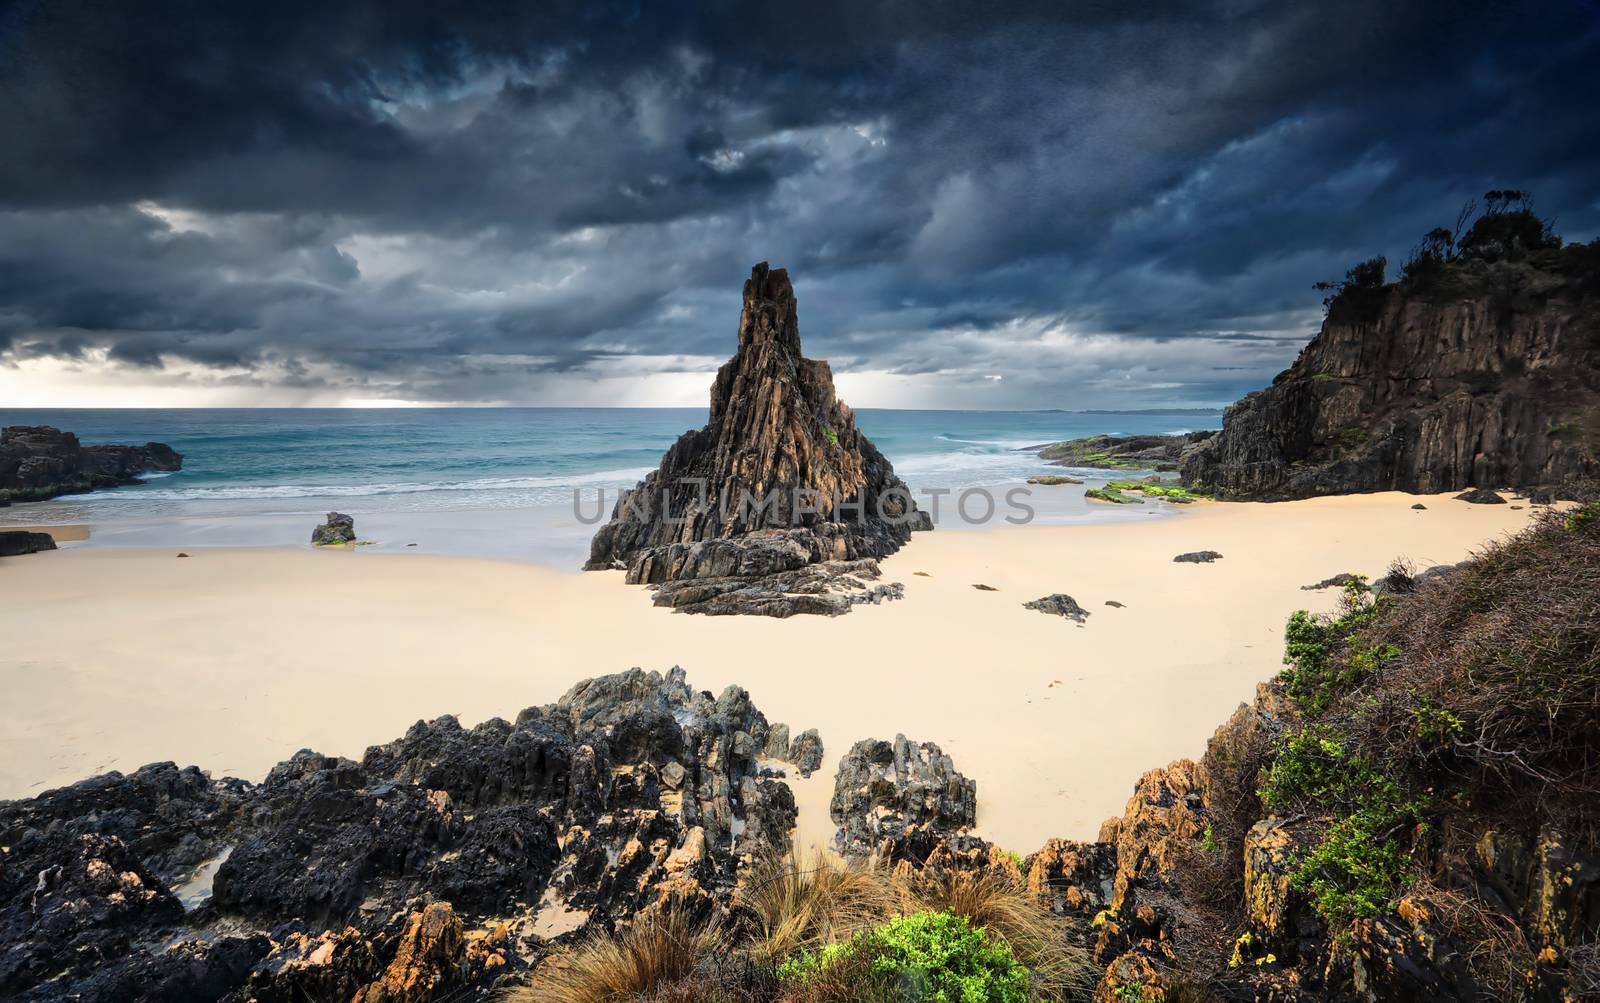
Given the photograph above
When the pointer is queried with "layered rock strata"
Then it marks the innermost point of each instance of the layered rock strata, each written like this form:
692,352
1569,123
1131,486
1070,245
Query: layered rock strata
779,505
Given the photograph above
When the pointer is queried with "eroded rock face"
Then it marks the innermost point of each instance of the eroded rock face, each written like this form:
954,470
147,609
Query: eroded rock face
39,462
778,490
444,858
898,792
1492,386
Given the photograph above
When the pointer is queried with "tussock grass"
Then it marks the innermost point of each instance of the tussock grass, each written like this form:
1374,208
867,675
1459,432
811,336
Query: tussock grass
793,908
642,962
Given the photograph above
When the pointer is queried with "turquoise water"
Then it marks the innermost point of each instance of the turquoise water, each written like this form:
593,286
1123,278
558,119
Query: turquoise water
451,476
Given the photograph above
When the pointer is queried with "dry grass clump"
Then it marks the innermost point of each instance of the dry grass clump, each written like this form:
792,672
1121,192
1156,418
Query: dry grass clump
658,950
792,908
1213,872
1497,685
785,910
1494,946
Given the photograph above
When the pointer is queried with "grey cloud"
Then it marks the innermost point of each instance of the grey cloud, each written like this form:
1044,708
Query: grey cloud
398,199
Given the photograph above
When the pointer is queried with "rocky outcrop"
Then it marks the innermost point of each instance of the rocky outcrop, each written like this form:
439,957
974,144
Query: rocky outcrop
16,542
337,529
444,859
779,482
889,796
1480,371
1119,452
39,462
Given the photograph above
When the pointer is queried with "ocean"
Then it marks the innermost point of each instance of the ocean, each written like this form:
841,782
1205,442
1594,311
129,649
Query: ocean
478,481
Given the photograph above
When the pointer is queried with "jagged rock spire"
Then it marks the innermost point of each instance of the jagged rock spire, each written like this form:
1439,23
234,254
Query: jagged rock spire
780,475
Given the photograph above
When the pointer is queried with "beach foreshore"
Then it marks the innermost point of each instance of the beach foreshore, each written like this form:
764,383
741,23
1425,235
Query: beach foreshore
234,659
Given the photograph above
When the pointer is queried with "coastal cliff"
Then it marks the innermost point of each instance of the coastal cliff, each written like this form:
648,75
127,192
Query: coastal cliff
1479,367
40,462
779,505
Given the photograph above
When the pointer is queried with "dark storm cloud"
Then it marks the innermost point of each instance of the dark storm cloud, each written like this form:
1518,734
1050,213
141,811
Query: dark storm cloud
436,201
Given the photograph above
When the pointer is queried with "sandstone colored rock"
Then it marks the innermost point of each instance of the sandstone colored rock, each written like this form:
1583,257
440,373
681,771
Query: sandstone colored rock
779,482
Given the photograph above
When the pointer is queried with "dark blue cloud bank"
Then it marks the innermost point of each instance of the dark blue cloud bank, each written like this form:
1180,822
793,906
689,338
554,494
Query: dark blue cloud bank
1056,205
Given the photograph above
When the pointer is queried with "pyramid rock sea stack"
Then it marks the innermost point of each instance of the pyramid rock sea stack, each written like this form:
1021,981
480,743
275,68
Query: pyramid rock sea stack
779,505
1480,367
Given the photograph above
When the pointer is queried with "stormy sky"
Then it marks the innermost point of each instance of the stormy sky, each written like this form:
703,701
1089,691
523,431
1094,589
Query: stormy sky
982,205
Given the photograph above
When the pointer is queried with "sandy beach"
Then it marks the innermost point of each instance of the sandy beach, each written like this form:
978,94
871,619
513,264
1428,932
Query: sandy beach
234,659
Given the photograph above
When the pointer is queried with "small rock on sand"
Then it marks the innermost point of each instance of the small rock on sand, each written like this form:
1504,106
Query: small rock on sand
985,588
1114,603
182,554
1338,581
922,574
339,528
1480,496
1420,507
1198,557
1059,604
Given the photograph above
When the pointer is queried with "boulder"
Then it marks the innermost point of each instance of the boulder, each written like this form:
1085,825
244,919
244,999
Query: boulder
779,482
892,791
1481,496
338,528
1198,557
38,462
16,542
806,752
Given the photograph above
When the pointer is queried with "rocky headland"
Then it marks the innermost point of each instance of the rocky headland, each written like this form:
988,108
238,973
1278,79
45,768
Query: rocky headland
779,505
1478,367
38,462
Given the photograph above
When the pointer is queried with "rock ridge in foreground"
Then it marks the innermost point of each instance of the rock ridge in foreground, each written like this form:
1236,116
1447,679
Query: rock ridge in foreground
448,858
779,505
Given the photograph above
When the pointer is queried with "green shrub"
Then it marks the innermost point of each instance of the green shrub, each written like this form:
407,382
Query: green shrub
831,436
1352,436
932,956
1359,864
1436,725
1323,666
1578,518
1357,869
